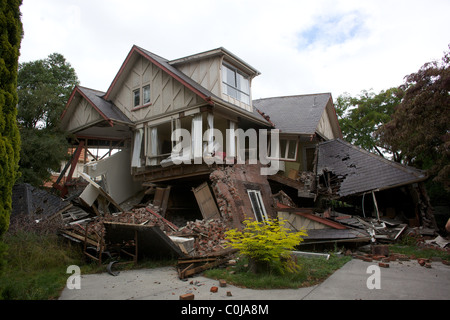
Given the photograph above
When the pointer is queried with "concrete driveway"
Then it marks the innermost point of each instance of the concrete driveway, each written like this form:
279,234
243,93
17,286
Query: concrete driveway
356,280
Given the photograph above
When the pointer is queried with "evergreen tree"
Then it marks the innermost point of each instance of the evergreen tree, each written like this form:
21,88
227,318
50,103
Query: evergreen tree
44,87
10,40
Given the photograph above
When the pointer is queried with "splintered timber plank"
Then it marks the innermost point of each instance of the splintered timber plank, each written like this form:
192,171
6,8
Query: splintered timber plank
196,260
204,267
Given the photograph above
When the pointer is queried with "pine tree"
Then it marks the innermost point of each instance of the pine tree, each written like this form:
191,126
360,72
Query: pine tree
10,40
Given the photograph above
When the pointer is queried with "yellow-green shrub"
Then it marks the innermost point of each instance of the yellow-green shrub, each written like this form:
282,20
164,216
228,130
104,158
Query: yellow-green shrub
266,244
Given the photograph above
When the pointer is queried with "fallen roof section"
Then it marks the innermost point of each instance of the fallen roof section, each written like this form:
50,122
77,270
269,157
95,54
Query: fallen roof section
356,171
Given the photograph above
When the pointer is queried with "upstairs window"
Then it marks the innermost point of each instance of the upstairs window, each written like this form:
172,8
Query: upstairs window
146,94
145,101
235,84
137,98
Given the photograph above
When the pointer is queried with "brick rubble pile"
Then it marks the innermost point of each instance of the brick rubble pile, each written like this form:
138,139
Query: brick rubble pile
209,235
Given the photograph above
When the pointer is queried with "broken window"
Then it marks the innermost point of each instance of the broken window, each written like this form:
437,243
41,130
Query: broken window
258,205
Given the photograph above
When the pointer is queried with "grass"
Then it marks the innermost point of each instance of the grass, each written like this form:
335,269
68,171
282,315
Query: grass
418,252
313,270
413,246
36,265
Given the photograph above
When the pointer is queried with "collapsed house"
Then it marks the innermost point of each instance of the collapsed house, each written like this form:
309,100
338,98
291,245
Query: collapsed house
206,96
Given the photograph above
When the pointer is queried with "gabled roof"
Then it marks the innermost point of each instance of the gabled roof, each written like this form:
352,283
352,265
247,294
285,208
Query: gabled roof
294,114
359,171
164,65
107,110
229,57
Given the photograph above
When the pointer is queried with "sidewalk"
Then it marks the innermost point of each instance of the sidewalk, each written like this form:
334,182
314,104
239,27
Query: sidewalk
401,281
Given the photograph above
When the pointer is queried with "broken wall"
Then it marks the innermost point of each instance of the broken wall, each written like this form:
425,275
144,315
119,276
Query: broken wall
231,185
116,175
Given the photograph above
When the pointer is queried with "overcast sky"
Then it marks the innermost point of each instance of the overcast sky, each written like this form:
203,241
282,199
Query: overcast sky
300,47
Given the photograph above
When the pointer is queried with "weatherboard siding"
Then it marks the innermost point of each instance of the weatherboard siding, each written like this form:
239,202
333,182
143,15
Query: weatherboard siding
166,93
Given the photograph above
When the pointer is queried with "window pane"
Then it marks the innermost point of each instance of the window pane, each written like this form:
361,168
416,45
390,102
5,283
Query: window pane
244,98
283,149
256,206
137,97
243,84
232,92
230,77
146,94
292,149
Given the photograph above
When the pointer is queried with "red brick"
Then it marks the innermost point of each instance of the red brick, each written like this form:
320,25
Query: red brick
214,289
383,265
222,283
378,257
187,296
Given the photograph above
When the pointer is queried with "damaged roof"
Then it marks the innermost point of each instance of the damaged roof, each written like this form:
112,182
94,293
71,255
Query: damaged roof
360,171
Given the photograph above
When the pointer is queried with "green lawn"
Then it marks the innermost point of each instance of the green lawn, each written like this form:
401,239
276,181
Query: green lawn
313,270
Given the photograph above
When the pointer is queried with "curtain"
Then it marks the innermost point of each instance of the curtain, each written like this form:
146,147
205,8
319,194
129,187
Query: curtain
136,160
197,139
154,146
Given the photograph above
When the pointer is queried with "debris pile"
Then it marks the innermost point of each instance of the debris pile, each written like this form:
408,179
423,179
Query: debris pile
209,235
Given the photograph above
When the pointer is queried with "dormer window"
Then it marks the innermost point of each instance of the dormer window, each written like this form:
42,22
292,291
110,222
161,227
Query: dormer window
235,84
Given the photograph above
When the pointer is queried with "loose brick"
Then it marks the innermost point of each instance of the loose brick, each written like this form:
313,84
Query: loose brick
187,296
378,257
214,289
383,265
229,294
222,283
380,250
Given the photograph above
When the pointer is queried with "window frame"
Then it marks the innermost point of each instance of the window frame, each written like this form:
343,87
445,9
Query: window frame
262,209
144,102
138,92
237,87
285,157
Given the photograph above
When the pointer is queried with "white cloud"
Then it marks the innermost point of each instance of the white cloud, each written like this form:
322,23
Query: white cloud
299,46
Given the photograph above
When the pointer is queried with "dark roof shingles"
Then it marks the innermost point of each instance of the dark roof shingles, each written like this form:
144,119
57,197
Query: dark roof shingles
294,114
362,171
